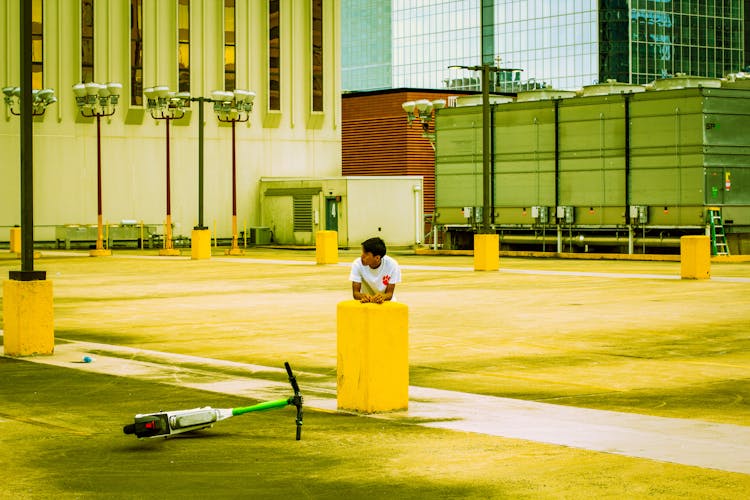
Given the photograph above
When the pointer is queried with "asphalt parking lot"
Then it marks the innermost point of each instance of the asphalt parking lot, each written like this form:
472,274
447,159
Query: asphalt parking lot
627,337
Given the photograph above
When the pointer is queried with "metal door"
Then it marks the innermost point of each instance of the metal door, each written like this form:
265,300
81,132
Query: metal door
332,214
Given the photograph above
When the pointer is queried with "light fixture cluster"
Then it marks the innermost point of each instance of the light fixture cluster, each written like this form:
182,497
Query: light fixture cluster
233,106
422,109
40,99
97,98
167,103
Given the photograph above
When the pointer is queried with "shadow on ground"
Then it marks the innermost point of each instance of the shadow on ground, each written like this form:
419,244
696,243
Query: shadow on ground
62,438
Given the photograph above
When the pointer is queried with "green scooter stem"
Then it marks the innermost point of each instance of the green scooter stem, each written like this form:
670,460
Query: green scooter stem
268,405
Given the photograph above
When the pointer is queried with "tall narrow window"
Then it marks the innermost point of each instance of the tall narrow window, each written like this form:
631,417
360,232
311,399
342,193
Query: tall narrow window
136,52
37,45
274,56
230,69
317,55
183,42
87,40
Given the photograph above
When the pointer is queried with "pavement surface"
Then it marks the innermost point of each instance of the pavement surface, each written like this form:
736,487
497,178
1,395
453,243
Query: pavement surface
683,441
616,357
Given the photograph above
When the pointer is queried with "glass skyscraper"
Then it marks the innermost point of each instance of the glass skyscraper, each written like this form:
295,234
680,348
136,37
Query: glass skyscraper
366,44
552,42
429,36
562,43
704,38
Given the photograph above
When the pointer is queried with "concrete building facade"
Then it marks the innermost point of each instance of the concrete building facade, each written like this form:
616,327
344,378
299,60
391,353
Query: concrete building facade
286,51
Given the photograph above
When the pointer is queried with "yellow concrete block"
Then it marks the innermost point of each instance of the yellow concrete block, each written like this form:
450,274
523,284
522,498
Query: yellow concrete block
372,356
486,252
695,257
327,247
15,240
28,318
200,246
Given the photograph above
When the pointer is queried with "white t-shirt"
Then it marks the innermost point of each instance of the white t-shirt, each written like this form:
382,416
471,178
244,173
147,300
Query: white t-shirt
375,280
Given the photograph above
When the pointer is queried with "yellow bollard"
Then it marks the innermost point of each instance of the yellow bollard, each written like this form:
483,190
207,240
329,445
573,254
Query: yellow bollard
695,257
372,356
15,240
28,318
326,247
200,244
486,252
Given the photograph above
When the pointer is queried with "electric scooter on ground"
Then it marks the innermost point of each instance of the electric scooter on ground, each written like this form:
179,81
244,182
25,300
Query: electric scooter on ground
169,423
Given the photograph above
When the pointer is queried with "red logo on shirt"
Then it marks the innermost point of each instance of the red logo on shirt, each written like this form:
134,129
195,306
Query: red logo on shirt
386,279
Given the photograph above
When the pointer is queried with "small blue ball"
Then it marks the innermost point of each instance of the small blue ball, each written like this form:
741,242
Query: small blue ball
87,359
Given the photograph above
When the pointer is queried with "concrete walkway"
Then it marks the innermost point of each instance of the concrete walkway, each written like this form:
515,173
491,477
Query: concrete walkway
688,442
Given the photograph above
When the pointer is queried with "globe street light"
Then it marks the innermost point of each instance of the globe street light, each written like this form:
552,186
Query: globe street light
40,99
98,100
166,105
423,111
233,107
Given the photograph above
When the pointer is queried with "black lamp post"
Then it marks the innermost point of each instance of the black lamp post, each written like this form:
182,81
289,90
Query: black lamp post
486,70
28,294
27,105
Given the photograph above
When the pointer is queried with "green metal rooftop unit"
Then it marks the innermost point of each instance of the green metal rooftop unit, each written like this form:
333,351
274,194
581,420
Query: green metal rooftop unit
614,164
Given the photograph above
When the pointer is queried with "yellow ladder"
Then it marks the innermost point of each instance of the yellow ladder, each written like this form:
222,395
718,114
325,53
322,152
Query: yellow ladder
718,238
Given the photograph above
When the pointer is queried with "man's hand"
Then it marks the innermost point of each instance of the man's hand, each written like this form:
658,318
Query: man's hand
378,298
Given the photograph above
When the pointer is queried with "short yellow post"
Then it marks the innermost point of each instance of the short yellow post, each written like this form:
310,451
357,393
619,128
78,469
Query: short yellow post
372,356
486,252
200,244
695,257
169,248
326,247
15,240
28,318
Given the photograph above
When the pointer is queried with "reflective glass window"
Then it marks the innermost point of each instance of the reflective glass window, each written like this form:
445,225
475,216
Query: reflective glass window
230,67
37,45
87,41
274,56
317,55
136,52
183,45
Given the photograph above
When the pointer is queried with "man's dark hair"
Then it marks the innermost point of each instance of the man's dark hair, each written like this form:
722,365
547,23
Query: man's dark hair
375,246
